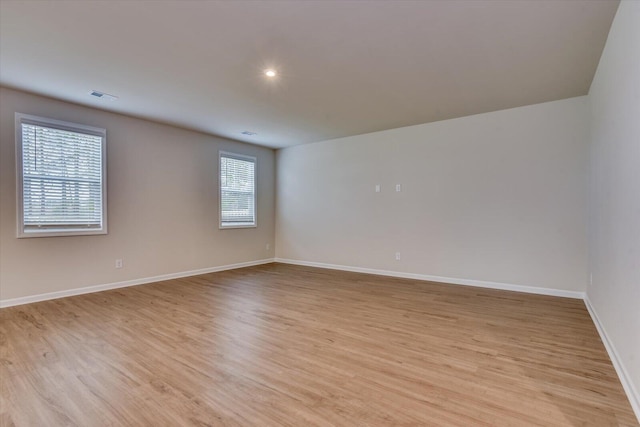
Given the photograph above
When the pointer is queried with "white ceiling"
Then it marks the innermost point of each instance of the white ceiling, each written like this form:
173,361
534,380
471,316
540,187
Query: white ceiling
345,67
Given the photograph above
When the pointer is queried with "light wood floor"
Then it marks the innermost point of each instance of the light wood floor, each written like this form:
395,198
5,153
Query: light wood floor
280,345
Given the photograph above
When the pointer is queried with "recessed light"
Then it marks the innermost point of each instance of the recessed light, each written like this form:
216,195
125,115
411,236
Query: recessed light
103,95
270,72
246,132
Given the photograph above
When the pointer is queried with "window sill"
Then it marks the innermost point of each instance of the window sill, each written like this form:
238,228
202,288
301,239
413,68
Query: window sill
60,233
238,225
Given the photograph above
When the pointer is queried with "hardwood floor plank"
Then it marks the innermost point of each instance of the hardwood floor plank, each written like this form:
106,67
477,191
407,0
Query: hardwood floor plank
282,345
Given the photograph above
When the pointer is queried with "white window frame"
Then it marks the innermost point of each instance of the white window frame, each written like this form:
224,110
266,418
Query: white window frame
255,189
62,125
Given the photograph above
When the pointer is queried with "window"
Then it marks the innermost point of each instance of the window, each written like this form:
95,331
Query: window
61,178
237,191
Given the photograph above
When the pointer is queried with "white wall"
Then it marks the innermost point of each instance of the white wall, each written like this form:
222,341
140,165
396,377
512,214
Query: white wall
162,205
615,191
497,197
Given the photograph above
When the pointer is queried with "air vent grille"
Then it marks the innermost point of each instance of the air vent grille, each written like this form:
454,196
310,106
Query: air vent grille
103,95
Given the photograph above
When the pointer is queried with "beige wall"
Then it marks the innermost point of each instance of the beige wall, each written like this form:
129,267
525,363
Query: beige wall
615,192
162,205
497,197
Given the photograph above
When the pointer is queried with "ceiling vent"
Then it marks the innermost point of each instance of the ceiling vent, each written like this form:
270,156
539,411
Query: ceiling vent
103,95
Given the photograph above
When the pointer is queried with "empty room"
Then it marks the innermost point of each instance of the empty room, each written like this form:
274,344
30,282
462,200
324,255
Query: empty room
319,213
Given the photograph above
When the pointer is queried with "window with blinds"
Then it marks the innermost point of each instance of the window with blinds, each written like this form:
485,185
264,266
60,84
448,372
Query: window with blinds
237,191
61,179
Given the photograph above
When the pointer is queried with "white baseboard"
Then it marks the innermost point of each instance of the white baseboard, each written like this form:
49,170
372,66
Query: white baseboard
629,388
426,277
98,288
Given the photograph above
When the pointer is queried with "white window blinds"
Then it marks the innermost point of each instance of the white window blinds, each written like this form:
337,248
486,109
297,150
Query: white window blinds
237,191
62,178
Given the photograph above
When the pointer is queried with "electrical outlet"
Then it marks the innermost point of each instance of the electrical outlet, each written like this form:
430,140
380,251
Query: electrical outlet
268,246
397,256
398,188
119,263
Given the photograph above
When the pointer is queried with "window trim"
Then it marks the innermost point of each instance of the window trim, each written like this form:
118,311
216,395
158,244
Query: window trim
61,125
244,157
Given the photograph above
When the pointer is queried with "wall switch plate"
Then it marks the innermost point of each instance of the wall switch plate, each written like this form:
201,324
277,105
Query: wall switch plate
398,188
268,246
397,256
377,188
